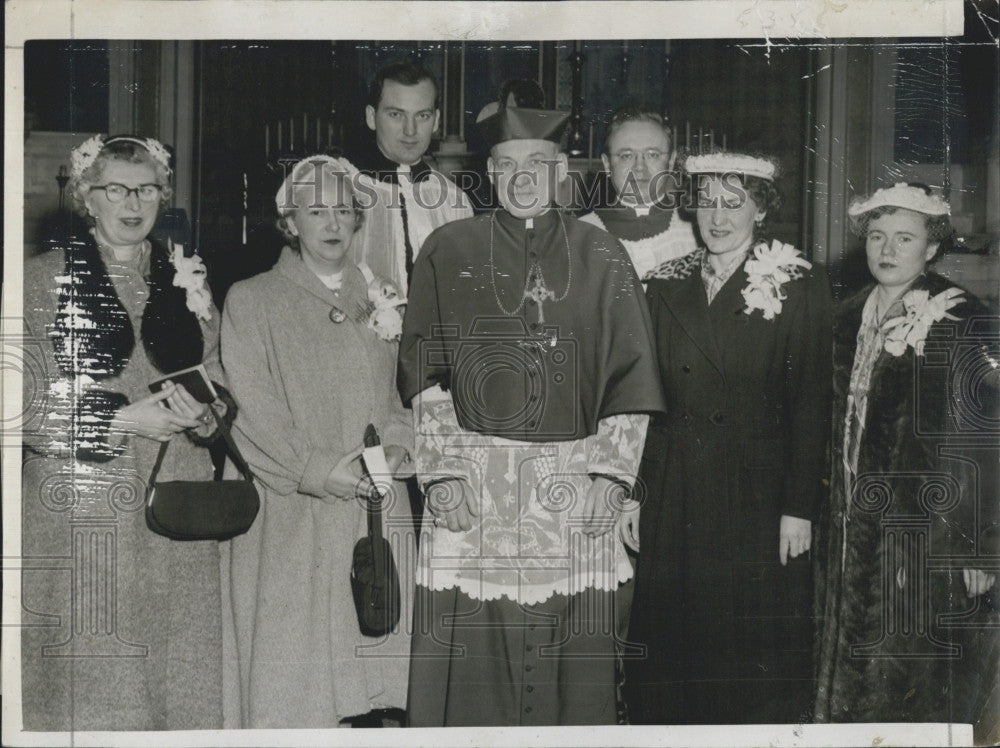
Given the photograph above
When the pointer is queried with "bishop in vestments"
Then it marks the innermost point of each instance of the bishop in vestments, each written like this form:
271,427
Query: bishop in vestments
527,356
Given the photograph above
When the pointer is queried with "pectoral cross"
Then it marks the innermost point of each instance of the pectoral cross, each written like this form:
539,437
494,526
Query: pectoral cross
539,293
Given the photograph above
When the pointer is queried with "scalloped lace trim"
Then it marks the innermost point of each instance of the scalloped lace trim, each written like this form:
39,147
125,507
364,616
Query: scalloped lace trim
526,593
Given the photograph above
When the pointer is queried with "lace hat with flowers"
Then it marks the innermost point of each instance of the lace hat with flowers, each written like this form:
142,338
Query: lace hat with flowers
297,177
901,195
725,162
83,156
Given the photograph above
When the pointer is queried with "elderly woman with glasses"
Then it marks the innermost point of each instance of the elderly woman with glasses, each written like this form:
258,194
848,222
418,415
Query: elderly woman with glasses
132,639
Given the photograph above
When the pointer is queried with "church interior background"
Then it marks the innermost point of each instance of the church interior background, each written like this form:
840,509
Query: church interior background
842,117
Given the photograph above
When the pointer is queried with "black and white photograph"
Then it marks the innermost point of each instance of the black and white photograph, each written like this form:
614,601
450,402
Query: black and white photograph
471,373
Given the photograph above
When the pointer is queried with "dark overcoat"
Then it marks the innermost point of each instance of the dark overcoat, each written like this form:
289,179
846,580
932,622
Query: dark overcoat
899,640
726,628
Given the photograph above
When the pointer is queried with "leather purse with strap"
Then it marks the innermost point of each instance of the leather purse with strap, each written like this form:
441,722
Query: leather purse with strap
203,510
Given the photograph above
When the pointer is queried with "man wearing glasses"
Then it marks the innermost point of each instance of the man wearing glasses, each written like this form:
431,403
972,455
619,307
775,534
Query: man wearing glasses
638,157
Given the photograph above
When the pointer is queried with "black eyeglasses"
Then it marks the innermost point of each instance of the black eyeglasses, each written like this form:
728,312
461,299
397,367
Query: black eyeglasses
147,193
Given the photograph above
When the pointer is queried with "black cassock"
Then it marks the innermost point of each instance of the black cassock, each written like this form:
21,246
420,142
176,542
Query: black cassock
726,628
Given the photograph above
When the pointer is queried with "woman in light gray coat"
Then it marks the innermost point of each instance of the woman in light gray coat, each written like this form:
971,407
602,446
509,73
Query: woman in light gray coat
311,369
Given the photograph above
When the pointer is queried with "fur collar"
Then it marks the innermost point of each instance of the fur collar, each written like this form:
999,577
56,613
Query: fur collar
92,333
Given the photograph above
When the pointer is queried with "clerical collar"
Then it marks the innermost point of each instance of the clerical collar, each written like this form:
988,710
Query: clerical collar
539,222
386,170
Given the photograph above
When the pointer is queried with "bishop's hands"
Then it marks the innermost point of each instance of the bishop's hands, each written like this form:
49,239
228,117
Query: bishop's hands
794,537
628,526
453,503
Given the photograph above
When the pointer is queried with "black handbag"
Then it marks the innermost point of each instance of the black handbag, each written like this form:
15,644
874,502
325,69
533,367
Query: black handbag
374,580
203,510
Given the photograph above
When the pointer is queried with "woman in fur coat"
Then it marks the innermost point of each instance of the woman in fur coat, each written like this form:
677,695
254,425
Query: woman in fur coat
120,627
901,597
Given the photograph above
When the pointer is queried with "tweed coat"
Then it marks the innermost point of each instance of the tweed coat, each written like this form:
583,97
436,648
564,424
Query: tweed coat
725,627
295,654
141,613
899,640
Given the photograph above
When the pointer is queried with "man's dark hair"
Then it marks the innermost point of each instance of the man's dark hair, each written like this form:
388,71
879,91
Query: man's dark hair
635,114
404,72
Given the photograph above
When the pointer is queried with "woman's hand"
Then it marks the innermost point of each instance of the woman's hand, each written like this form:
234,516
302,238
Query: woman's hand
794,537
977,582
399,462
453,503
347,479
182,403
151,419
628,528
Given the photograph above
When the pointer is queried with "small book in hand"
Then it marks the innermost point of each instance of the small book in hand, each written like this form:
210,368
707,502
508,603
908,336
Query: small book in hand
195,380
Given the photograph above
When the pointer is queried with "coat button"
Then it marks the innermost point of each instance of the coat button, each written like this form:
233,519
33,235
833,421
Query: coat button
529,689
528,668
527,710
686,418
718,418
686,369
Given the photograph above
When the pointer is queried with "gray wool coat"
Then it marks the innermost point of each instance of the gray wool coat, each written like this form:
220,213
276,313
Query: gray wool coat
307,388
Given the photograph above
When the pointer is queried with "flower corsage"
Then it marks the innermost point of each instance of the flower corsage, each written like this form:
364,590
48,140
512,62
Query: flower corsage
922,311
386,319
190,274
770,269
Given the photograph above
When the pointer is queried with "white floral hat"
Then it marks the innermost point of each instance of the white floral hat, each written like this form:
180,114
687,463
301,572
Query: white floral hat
84,155
901,195
282,199
724,162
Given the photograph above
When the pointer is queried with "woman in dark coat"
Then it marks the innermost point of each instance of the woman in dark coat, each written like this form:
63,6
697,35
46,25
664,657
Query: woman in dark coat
733,475
900,611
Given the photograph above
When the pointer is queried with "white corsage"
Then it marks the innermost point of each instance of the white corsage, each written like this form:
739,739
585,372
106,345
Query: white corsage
385,320
922,311
770,269
190,274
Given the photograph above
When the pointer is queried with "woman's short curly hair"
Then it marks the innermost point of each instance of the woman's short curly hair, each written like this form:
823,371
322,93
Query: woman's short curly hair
292,241
126,151
939,228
